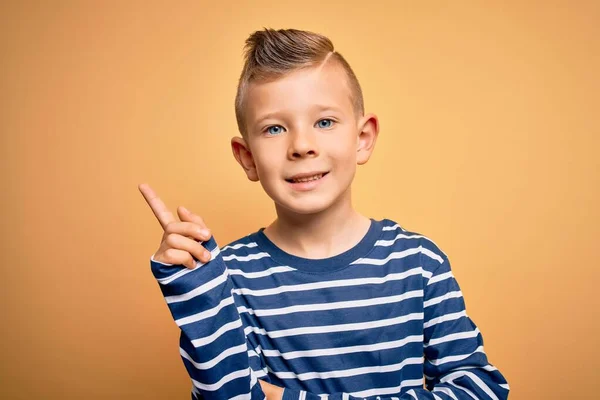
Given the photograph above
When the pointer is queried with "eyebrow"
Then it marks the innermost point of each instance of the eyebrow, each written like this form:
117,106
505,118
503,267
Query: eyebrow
273,115
317,107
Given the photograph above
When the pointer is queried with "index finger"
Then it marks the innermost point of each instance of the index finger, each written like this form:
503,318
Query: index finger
160,210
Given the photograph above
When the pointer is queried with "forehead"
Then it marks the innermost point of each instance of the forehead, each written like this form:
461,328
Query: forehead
300,90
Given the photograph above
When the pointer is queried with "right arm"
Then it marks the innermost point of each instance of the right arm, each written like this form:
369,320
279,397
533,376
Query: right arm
194,281
212,341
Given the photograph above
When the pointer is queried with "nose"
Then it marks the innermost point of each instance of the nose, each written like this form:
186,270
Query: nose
302,144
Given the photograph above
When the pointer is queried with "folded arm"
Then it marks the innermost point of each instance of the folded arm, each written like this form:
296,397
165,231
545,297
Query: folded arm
455,364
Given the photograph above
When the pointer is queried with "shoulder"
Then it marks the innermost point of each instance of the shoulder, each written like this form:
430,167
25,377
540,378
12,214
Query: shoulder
241,247
404,242
244,254
245,242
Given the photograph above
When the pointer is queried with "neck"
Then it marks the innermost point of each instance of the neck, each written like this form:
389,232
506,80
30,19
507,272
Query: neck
319,235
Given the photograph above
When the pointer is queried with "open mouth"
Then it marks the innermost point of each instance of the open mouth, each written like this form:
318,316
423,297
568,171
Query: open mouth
307,178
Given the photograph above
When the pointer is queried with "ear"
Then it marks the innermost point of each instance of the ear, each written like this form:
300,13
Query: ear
242,154
368,128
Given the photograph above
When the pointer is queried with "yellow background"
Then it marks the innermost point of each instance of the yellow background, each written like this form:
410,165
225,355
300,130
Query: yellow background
489,145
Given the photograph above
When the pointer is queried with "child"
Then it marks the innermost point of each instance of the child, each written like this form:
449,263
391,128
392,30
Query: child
324,302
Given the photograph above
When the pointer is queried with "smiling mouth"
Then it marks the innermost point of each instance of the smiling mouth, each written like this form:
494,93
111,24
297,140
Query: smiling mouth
307,179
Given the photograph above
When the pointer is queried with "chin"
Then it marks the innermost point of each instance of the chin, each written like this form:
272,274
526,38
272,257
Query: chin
303,204
306,206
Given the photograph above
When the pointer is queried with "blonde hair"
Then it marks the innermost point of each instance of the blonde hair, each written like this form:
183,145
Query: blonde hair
270,54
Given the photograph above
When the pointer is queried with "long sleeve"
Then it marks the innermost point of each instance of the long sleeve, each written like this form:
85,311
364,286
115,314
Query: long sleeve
456,366
213,346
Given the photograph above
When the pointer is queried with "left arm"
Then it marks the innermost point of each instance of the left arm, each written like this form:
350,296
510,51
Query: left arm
456,366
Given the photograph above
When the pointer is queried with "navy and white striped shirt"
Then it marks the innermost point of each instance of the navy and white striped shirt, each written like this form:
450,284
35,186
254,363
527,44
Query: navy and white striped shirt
377,321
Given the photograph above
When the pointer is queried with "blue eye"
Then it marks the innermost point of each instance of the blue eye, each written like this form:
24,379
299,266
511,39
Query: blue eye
275,129
327,123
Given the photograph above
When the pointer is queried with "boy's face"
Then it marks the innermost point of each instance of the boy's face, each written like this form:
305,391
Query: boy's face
303,127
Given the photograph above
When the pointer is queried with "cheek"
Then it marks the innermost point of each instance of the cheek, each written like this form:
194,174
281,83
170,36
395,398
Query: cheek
346,153
266,165
345,145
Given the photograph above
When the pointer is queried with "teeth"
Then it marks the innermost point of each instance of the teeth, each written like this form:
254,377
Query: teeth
308,179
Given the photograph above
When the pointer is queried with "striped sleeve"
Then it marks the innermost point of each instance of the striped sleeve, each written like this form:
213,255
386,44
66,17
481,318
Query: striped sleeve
456,366
213,346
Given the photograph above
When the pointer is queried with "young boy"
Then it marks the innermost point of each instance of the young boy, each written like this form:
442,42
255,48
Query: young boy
324,302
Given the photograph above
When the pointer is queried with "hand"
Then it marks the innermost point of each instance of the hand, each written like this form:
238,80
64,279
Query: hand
271,391
179,244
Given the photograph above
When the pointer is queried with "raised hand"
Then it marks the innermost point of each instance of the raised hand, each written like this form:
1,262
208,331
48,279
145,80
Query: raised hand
180,242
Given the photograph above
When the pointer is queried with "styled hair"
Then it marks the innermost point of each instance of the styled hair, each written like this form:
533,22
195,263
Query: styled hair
270,54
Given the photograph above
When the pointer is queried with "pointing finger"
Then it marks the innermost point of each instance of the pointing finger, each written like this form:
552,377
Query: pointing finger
160,210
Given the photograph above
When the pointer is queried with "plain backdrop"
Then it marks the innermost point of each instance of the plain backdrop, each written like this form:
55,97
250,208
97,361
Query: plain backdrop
489,145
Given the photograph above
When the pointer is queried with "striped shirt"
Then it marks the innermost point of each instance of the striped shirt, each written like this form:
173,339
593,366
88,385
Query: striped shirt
383,320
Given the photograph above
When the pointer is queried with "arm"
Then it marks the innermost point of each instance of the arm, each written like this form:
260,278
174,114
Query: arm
455,364
212,342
